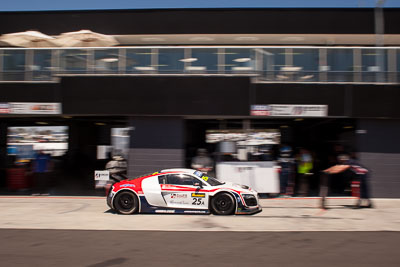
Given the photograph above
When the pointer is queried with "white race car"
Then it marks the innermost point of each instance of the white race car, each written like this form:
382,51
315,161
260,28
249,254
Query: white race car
181,191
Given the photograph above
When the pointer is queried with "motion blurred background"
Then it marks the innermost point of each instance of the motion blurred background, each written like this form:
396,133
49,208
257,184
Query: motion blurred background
155,82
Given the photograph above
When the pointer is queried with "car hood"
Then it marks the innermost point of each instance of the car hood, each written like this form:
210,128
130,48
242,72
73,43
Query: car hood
238,187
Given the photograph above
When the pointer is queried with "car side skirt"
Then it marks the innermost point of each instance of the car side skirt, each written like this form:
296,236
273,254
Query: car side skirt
147,208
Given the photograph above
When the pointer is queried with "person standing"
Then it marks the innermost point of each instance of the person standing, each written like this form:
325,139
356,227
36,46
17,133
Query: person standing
304,168
351,165
41,169
286,163
118,167
202,162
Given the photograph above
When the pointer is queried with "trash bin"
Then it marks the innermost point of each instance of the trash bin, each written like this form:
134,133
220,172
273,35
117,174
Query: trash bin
355,188
17,179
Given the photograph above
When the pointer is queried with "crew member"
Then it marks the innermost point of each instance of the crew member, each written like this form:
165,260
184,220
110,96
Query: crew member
347,164
286,162
202,162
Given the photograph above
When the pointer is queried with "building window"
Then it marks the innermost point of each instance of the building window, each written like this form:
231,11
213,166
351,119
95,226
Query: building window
170,60
75,60
139,61
203,60
41,67
340,65
371,66
13,65
106,60
239,60
273,60
307,59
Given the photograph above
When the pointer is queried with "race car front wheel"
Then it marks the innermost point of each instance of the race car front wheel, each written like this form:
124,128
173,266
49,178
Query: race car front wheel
223,204
126,202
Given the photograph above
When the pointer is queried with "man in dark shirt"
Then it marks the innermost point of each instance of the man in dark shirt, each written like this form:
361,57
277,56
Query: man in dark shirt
287,164
41,168
348,164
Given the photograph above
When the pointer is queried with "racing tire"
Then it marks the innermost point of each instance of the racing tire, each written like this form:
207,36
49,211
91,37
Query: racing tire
126,203
223,204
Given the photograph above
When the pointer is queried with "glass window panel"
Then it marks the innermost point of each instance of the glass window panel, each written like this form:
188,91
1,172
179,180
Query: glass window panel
14,60
74,60
181,179
277,58
239,60
340,65
41,64
205,57
273,60
106,60
170,60
370,64
340,59
13,65
138,60
369,59
162,179
398,59
307,59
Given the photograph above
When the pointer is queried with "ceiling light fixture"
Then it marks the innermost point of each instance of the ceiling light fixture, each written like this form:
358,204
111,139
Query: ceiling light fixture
242,59
188,60
110,59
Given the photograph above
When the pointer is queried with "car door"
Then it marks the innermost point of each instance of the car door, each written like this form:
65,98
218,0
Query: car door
184,191
151,190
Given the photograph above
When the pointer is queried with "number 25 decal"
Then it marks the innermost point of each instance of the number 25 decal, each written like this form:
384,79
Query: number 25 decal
197,201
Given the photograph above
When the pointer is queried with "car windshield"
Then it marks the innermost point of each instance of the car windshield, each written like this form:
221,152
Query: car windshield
211,180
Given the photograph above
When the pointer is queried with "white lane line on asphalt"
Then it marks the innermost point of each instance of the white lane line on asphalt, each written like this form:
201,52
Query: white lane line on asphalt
203,230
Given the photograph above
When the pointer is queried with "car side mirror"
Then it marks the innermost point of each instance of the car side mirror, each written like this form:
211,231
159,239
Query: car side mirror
198,184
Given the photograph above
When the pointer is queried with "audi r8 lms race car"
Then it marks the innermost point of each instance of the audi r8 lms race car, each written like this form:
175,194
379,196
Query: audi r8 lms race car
181,191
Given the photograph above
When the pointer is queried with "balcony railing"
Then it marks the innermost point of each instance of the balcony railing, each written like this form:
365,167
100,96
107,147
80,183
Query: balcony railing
268,64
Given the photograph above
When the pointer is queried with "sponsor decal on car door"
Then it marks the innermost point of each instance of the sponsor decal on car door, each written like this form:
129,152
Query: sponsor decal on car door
184,196
176,199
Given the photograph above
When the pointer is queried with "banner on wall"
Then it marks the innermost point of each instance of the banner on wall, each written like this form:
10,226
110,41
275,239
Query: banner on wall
30,108
4,108
290,110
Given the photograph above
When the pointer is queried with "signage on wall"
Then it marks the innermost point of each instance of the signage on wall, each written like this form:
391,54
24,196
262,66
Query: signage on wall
290,110
260,110
4,108
30,108
101,175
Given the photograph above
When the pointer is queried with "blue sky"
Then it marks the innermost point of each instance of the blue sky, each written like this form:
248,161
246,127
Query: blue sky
26,5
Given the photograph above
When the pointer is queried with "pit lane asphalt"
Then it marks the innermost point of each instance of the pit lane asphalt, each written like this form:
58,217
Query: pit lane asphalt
92,213
155,248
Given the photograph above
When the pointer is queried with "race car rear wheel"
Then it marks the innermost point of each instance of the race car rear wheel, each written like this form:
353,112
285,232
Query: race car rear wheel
126,202
223,204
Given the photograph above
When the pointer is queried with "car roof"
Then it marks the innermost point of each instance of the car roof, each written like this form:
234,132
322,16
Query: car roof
179,170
